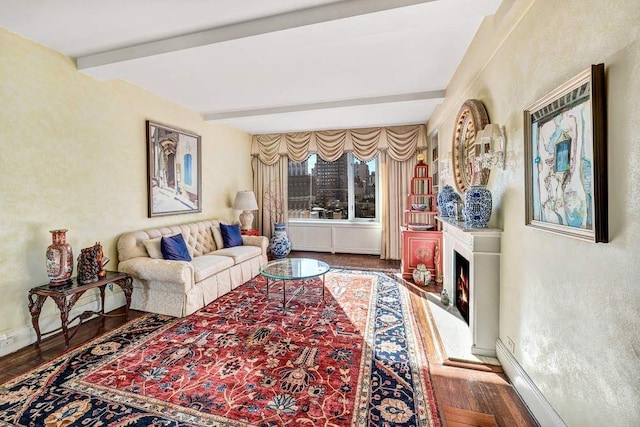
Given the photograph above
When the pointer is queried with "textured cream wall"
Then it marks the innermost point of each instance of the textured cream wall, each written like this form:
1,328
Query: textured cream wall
571,307
74,156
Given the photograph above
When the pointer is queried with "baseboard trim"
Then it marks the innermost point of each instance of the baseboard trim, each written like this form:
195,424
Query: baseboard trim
538,405
25,335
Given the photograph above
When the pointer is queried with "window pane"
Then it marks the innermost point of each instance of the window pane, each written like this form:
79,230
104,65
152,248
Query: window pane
364,188
320,190
332,201
301,194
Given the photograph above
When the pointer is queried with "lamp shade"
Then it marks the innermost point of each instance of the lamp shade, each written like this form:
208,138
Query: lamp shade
495,133
245,201
492,130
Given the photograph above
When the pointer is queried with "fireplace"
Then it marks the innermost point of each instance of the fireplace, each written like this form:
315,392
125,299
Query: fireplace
463,294
471,269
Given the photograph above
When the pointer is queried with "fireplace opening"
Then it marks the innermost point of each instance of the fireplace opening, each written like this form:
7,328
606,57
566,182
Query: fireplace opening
462,286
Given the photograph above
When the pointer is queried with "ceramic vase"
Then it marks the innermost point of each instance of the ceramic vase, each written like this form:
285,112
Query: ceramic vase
477,207
446,196
421,275
280,245
59,258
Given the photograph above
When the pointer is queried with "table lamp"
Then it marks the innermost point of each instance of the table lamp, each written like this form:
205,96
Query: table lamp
245,202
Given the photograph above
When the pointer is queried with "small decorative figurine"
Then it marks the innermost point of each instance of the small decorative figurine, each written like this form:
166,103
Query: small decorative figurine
91,264
444,297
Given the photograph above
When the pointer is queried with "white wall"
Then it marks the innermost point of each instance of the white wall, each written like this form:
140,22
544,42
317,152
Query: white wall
74,156
570,306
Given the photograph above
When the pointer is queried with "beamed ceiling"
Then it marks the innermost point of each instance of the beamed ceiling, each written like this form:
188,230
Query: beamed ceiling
267,66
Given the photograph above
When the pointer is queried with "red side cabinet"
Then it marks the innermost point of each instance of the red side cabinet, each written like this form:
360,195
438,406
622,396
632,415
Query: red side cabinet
422,247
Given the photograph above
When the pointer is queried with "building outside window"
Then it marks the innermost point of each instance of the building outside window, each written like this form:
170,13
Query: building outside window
341,190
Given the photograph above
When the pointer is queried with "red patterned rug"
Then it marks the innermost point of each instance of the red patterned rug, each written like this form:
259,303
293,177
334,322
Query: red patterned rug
353,359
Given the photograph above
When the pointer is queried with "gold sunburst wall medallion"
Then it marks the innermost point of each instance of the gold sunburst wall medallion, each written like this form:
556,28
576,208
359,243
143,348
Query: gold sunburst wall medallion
471,118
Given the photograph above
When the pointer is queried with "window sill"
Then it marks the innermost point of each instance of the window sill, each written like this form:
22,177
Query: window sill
338,222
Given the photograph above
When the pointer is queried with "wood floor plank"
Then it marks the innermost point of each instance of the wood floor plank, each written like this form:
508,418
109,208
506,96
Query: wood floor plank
463,417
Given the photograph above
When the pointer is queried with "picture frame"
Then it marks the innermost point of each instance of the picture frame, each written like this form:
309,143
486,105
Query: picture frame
174,178
565,142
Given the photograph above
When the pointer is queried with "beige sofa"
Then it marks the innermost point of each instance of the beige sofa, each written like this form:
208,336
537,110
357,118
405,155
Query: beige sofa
178,288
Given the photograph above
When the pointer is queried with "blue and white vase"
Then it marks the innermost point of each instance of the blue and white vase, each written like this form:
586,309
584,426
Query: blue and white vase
280,245
446,196
477,207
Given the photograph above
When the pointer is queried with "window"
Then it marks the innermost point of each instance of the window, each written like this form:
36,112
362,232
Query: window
341,190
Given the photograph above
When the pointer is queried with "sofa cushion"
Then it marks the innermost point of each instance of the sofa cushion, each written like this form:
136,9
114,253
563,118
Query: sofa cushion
175,248
239,253
231,235
153,248
205,266
217,237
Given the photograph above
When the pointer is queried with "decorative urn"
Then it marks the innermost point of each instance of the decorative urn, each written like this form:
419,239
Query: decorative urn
445,197
280,245
477,207
421,275
59,258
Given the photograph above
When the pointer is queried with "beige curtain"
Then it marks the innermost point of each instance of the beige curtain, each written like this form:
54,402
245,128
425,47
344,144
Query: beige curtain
396,147
270,181
395,178
400,142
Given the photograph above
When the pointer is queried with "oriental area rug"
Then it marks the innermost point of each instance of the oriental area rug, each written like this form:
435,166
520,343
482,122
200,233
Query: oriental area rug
352,359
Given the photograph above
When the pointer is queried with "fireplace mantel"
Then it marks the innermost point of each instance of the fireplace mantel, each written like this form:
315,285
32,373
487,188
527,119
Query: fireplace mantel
481,247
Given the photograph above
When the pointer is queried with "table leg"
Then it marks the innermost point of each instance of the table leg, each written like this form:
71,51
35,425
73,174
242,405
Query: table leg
34,308
102,298
323,287
126,285
61,302
65,307
284,295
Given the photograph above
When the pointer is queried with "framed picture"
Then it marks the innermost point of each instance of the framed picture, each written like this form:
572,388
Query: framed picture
174,178
566,159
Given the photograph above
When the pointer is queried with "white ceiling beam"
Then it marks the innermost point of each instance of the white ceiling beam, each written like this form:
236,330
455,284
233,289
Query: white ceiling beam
416,96
269,24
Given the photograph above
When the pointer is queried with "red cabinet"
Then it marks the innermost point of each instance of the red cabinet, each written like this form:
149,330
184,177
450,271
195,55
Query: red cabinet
421,232
422,247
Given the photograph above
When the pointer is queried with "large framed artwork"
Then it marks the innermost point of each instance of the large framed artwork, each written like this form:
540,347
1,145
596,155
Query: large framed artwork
174,178
566,159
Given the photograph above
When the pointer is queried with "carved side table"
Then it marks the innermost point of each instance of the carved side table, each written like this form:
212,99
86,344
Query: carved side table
66,295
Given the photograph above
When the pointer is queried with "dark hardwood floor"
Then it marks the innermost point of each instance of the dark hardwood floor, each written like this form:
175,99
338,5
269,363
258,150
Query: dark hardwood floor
465,397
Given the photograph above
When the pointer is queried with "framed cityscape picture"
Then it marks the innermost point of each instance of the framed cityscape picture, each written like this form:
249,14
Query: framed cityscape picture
566,159
174,173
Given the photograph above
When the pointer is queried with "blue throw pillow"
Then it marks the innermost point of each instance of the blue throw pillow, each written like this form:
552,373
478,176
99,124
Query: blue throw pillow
231,235
175,248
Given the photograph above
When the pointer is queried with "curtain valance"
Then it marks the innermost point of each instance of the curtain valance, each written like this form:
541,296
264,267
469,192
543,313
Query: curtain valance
399,142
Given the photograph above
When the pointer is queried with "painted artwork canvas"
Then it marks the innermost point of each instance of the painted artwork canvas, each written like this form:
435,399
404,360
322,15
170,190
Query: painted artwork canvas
565,154
563,159
174,177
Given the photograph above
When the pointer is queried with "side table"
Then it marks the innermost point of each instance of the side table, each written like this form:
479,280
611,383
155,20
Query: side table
67,294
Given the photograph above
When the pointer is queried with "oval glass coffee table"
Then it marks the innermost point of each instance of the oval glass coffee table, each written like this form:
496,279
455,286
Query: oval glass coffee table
289,269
